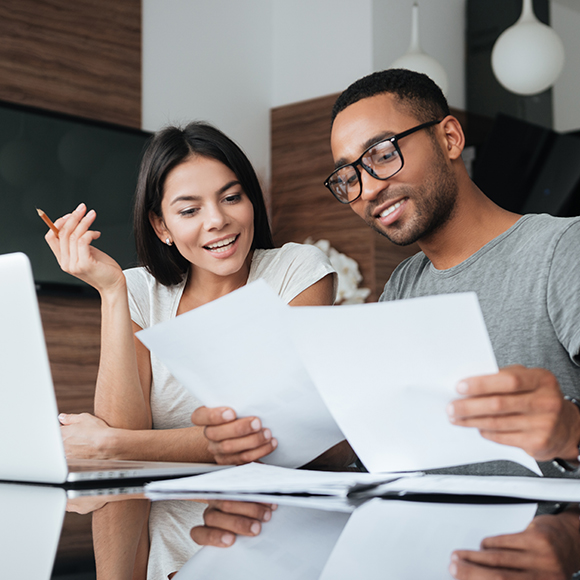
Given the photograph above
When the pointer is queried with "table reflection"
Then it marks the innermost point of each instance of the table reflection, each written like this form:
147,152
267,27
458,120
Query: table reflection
382,538
306,538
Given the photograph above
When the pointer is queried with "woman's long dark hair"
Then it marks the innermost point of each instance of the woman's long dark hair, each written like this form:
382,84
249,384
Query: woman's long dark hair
169,148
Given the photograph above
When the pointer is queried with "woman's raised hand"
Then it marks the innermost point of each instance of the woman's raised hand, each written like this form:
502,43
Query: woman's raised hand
77,256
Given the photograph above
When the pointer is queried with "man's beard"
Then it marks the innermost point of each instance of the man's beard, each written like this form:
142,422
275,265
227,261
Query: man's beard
434,206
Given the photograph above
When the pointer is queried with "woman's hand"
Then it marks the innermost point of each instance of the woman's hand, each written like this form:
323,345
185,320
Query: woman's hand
77,256
233,441
85,436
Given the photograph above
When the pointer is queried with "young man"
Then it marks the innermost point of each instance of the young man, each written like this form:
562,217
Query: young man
397,153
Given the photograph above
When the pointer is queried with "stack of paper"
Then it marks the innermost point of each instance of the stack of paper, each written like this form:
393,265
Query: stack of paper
256,479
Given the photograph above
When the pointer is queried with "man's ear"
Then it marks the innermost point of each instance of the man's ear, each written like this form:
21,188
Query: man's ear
454,137
158,225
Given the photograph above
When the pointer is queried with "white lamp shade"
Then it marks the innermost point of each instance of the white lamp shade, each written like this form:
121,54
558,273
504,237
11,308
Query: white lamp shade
423,63
528,57
417,60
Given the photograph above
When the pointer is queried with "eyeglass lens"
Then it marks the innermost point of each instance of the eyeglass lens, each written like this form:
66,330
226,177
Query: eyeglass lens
381,160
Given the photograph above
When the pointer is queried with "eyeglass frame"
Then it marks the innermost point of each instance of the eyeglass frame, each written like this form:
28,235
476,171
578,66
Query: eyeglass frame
395,141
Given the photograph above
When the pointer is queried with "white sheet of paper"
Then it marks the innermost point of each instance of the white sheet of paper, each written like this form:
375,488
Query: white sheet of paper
236,352
387,372
415,540
295,543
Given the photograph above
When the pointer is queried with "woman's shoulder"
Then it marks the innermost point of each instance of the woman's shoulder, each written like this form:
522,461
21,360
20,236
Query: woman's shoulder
289,253
291,269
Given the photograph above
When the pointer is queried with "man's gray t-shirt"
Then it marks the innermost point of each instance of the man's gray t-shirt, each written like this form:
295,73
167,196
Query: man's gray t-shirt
528,284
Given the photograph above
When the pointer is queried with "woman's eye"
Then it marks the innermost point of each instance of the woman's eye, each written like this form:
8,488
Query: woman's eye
189,211
233,198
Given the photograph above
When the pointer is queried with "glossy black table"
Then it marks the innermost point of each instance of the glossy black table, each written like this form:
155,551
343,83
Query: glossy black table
44,535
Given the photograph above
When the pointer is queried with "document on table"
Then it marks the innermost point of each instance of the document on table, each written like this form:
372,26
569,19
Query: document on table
255,479
236,352
260,478
295,543
401,540
387,372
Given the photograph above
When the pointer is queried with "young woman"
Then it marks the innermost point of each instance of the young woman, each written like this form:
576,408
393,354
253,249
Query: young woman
201,232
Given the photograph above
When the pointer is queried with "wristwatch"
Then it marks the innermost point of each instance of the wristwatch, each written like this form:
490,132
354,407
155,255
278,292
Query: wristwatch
561,464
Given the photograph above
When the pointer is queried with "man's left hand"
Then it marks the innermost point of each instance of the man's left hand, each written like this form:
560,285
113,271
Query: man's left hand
521,407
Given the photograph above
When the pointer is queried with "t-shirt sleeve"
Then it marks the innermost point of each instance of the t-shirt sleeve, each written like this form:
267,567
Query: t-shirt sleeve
138,293
293,268
564,290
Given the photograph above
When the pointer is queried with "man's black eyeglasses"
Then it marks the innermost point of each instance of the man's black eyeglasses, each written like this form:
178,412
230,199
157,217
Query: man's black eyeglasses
381,160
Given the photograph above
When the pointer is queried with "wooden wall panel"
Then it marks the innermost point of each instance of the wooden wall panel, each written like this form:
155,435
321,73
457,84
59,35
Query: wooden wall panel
72,328
80,57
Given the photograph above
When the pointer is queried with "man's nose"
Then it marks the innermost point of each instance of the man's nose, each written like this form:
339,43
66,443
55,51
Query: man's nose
371,187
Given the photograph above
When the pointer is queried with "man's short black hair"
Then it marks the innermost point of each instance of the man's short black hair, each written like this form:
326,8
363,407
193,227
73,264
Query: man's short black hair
414,91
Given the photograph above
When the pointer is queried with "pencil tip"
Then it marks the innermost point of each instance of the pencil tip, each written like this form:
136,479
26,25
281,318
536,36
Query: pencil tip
39,211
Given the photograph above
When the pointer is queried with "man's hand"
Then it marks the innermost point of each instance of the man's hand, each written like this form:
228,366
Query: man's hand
520,407
549,549
233,441
223,520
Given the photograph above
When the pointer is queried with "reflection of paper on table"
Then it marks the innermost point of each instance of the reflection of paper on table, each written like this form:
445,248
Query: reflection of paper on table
387,372
407,540
295,543
236,352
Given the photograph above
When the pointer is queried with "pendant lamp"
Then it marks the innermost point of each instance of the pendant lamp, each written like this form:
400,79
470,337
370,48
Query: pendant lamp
417,60
528,57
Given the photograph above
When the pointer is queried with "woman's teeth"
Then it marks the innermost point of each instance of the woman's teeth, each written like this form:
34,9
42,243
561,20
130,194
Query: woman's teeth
390,209
221,245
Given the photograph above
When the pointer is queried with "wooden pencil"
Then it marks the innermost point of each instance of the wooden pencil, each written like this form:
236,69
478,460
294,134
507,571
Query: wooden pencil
47,221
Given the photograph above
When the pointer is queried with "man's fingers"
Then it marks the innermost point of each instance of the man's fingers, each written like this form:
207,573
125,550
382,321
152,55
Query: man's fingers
463,568
512,379
205,536
523,404
204,416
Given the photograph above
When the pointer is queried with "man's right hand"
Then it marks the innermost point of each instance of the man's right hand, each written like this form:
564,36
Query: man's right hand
233,441
223,520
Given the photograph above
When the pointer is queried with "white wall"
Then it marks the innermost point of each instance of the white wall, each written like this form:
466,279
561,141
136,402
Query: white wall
230,61
210,60
319,47
441,34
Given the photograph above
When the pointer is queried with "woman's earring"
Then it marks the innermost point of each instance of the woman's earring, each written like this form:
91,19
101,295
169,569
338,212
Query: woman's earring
168,241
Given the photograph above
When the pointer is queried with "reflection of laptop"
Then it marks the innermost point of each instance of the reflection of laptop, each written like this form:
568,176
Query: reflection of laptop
31,447
32,517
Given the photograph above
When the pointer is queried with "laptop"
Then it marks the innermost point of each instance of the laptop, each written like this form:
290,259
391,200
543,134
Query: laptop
31,447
